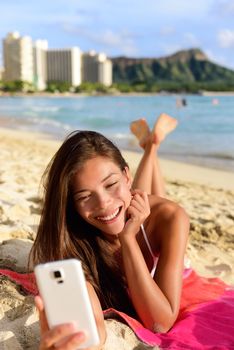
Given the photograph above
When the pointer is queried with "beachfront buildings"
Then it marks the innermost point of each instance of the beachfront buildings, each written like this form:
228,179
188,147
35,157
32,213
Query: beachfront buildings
38,65
64,65
96,68
18,58
105,70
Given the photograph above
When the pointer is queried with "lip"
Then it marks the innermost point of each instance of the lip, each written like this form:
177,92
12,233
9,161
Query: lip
111,220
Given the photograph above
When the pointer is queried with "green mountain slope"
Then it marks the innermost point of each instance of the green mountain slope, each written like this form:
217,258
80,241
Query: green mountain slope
184,67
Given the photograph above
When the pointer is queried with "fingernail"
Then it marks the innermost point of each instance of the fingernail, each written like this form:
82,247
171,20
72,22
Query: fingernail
80,335
73,326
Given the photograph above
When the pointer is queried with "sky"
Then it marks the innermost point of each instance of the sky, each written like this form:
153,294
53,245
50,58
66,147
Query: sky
132,28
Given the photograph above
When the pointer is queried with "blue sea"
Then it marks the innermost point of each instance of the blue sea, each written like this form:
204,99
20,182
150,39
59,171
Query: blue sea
204,135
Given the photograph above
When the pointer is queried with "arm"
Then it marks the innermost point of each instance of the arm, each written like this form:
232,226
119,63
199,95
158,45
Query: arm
49,337
156,301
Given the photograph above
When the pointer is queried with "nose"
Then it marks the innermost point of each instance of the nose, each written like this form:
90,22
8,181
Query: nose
103,199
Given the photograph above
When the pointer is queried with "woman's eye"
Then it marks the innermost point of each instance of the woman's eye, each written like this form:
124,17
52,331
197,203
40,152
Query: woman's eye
112,184
82,199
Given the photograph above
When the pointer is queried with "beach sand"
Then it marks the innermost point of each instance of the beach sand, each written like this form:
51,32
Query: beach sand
206,194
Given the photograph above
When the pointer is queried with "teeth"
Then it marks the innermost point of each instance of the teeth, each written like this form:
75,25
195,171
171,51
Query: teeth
109,217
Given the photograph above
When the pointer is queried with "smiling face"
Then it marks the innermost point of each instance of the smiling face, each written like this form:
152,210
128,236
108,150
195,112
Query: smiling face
102,194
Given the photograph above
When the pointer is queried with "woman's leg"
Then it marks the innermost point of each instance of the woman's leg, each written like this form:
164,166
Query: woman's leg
148,176
144,172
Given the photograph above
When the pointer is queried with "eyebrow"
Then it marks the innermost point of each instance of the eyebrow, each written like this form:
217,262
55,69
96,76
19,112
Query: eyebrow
103,180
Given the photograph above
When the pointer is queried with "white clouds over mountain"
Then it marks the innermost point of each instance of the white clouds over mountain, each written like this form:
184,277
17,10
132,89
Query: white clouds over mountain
226,38
143,28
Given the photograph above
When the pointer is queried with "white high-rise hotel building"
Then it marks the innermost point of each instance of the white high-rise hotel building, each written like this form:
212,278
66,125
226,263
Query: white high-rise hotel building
40,64
64,65
96,68
35,64
18,58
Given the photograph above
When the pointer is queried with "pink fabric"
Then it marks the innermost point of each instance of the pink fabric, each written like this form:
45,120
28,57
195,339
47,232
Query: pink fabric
26,281
205,321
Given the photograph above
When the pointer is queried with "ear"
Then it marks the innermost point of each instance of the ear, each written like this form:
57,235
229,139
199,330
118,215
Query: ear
128,176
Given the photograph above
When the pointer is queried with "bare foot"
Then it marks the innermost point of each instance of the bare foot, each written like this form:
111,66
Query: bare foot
141,130
163,126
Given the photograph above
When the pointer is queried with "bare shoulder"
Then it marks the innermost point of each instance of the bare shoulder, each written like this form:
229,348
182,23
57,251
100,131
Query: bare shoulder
165,213
165,208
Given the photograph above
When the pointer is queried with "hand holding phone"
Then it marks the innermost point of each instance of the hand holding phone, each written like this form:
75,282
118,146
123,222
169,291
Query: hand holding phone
62,287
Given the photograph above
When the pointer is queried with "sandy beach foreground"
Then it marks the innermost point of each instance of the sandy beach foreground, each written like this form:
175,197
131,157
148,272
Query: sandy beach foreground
206,194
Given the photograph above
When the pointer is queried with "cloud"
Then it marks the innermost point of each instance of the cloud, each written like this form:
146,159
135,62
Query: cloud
122,42
219,59
226,38
181,8
224,7
186,40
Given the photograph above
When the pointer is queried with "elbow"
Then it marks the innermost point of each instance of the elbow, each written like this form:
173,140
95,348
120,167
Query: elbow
180,214
172,212
180,218
162,327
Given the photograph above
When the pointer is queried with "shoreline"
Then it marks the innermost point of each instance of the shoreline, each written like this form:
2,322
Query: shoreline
116,93
172,170
210,162
178,171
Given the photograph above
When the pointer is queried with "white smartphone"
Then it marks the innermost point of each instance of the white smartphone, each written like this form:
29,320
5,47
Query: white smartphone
62,287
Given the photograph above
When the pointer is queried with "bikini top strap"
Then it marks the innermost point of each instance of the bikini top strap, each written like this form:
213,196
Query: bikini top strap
147,242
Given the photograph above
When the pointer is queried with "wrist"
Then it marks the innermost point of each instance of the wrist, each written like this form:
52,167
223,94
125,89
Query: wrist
125,238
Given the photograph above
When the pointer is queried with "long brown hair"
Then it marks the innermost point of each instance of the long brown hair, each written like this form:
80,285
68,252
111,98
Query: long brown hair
63,234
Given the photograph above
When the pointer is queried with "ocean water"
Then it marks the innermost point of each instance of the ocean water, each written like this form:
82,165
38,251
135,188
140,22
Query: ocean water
204,135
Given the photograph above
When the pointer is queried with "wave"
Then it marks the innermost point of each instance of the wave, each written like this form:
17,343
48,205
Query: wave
218,155
47,109
122,136
214,155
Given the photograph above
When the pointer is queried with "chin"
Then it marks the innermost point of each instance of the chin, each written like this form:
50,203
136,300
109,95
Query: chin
115,231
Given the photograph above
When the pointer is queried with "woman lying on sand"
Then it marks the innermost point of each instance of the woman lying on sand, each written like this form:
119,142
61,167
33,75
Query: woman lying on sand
130,239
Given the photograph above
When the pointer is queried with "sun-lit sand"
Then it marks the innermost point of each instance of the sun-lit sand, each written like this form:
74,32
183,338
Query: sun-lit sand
206,194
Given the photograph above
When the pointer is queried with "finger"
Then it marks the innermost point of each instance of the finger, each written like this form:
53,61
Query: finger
137,191
139,206
73,341
141,194
133,214
39,303
146,199
57,334
42,316
139,200
143,198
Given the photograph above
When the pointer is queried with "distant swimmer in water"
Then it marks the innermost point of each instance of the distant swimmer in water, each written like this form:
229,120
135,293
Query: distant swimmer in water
215,101
181,102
